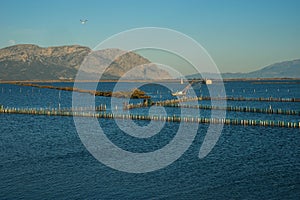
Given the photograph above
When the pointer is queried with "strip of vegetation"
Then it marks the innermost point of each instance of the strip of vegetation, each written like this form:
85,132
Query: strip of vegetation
133,94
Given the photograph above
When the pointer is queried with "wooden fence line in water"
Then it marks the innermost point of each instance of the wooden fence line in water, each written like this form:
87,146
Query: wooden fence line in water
251,99
188,99
152,117
201,98
207,107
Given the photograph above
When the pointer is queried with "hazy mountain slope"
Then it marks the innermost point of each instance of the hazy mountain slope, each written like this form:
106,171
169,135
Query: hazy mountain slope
31,62
286,69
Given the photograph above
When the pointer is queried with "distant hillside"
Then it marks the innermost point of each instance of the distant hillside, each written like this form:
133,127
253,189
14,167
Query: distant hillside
127,65
286,69
31,62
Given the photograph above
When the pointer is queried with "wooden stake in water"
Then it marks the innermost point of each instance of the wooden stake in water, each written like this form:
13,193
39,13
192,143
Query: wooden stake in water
59,100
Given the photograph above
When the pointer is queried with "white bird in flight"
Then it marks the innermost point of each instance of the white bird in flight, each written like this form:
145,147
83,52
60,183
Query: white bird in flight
83,21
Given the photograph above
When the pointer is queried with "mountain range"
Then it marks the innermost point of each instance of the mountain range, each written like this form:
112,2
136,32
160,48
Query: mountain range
31,62
286,69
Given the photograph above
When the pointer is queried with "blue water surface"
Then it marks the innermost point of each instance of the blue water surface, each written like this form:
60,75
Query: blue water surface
42,157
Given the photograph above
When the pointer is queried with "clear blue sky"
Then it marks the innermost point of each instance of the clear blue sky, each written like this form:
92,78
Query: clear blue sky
240,35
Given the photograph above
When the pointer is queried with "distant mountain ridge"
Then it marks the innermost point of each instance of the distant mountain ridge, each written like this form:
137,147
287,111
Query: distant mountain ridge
31,62
286,69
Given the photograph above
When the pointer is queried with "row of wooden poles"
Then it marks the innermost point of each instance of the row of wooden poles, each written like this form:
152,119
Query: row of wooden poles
101,107
251,99
269,110
189,99
151,117
207,98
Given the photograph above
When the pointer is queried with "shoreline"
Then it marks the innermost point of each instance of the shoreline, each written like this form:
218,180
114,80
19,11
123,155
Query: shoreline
141,80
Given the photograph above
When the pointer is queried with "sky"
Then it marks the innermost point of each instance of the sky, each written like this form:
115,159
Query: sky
239,35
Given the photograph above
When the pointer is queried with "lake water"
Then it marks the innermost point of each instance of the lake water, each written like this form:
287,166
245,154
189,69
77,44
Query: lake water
42,157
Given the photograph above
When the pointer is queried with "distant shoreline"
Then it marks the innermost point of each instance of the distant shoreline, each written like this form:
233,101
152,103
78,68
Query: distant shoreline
141,80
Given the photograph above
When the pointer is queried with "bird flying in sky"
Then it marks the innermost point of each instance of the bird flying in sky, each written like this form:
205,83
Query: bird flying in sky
83,21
